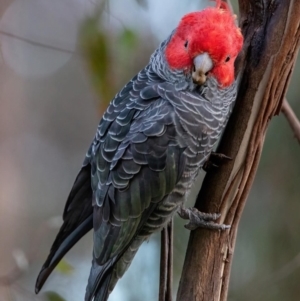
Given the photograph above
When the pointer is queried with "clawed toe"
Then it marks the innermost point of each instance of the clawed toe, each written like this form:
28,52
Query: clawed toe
215,160
198,219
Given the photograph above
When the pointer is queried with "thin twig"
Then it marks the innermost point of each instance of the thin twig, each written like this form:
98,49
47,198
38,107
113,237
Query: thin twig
291,118
163,264
28,41
166,263
170,230
230,5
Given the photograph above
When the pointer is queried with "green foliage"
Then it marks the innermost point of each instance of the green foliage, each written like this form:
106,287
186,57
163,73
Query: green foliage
94,43
52,296
107,57
127,40
64,267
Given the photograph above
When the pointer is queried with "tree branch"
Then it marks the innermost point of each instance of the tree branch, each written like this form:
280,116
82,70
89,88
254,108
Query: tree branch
291,118
34,43
166,263
272,33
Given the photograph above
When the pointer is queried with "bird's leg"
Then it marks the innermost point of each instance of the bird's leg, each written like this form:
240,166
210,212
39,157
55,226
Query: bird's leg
198,219
215,160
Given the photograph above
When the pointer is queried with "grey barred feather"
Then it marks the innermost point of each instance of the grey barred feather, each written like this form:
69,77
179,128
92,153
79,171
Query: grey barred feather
149,146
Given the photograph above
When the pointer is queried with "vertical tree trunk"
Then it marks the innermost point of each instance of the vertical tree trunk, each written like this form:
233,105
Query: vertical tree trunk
271,29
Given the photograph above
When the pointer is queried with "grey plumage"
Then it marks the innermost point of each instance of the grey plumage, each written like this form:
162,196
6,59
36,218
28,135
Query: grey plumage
150,144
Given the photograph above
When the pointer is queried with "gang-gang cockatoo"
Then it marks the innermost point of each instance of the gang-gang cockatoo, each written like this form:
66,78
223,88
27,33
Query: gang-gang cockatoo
151,142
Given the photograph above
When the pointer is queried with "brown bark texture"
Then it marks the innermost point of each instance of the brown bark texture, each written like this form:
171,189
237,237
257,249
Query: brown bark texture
271,29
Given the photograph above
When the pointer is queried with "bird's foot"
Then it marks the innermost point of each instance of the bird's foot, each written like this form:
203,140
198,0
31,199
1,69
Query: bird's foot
215,160
198,219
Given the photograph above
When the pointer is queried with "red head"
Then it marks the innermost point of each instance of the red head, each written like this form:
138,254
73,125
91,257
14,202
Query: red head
211,32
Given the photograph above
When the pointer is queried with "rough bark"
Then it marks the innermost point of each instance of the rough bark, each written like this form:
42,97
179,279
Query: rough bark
272,33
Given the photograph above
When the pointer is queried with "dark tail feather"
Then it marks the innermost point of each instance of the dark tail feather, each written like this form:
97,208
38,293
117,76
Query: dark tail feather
98,284
57,254
78,220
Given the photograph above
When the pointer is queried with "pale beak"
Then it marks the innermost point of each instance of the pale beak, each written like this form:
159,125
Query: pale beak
202,65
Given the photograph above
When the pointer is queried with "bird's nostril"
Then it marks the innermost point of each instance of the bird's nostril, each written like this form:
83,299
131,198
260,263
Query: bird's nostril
194,68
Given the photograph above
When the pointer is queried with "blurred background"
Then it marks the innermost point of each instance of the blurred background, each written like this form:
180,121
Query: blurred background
61,62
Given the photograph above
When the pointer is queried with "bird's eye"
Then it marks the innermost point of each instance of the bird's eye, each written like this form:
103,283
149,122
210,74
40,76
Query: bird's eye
186,44
227,59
